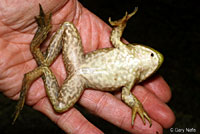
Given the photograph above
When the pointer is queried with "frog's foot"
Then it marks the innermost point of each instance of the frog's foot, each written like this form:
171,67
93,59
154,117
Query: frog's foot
44,26
124,19
19,106
43,21
138,108
27,81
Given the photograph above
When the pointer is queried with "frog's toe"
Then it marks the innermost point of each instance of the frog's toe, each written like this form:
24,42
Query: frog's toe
43,20
139,109
118,22
134,112
147,117
131,14
124,19
19,107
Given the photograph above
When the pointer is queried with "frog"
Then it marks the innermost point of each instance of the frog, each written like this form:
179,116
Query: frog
108,69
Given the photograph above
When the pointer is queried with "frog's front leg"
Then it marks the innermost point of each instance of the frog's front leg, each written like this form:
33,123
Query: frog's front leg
134,103
118,29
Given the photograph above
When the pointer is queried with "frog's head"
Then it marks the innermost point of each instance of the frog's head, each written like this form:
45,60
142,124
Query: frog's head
149,59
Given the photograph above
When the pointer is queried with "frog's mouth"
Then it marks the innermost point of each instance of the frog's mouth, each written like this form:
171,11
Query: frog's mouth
161,59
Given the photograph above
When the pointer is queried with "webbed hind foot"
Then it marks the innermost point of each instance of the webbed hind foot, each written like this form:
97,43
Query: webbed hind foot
44,27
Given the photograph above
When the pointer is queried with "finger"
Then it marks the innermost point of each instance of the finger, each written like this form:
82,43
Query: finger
156,109
99,32
159,87
115,111
71,121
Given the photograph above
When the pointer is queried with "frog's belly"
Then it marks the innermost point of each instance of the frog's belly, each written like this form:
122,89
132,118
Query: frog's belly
106,79
107,70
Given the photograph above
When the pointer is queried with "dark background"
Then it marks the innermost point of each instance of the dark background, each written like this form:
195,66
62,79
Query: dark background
170,26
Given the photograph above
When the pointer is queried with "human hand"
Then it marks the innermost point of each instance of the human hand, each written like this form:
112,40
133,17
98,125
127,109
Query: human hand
17,28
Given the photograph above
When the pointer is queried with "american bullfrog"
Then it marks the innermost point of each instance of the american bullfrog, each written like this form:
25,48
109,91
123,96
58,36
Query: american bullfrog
108,69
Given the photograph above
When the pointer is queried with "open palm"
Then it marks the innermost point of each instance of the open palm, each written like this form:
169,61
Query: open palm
17,28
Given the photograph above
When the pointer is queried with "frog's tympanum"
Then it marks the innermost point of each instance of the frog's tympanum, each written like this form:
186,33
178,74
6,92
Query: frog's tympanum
105,69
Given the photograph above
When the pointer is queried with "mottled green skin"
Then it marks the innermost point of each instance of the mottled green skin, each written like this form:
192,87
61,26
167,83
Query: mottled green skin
105,69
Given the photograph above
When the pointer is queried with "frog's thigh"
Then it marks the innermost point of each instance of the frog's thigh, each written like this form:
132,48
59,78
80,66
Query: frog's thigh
70,92
51,85
65,97
55,46
67,38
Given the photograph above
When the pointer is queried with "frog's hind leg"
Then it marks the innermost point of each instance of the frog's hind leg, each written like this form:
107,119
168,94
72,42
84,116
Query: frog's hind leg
55,45
66,38
73,56
135,104
27,81
118,29
69,93
44,27
65,97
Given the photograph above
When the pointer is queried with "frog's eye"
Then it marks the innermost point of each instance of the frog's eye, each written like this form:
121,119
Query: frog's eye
152,54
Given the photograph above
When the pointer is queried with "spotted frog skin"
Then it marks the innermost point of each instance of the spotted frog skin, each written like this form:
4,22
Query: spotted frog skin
105,69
